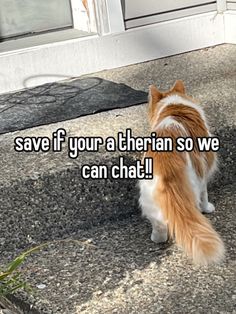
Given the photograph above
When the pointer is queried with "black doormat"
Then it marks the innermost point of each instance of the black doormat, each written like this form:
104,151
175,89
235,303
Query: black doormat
57,102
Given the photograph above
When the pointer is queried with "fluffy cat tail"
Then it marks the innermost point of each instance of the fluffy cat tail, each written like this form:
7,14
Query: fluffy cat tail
192,231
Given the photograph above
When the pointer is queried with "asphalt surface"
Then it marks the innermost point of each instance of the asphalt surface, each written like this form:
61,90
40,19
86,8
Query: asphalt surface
119,269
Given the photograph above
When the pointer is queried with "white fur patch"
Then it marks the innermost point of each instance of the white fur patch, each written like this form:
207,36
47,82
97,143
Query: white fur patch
195,182
177,99
149,207
169,122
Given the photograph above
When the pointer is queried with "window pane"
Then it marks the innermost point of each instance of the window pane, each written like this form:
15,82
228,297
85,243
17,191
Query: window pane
18,17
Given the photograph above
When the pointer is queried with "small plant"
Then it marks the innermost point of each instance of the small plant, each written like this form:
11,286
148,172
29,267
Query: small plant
11,277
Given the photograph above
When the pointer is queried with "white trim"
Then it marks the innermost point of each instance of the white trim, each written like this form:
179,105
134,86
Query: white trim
53,62
221,5
79,15
115,16
109,16
92,16
31,42
157,18
137,8
230,27
83,20
101,17
231,5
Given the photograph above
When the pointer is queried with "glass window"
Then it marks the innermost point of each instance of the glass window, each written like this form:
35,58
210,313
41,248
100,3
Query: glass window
25,17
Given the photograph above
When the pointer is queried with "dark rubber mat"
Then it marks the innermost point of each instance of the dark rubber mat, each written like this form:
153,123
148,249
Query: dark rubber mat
57,102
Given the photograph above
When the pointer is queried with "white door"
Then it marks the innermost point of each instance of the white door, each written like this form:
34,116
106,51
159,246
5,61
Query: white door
139,12
231,4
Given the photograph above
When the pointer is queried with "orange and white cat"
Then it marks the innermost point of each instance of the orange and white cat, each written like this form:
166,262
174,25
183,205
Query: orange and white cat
176,197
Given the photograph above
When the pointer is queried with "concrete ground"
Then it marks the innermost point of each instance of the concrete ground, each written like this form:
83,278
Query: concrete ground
118,269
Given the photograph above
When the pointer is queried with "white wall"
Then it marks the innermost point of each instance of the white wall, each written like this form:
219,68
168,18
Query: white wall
37,64
52,62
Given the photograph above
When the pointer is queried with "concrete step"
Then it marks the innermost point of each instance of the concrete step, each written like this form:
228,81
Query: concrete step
124,272
43,198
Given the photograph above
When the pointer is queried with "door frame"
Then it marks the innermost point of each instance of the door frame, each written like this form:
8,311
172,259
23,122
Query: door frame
112,47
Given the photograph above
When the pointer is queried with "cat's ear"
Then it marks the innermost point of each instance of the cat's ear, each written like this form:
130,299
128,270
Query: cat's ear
154,95
179,87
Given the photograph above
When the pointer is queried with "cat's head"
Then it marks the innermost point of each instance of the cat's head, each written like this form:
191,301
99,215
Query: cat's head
155,95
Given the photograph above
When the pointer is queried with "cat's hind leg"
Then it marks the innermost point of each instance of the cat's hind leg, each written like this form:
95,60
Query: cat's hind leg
206,207
159,231
151,210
